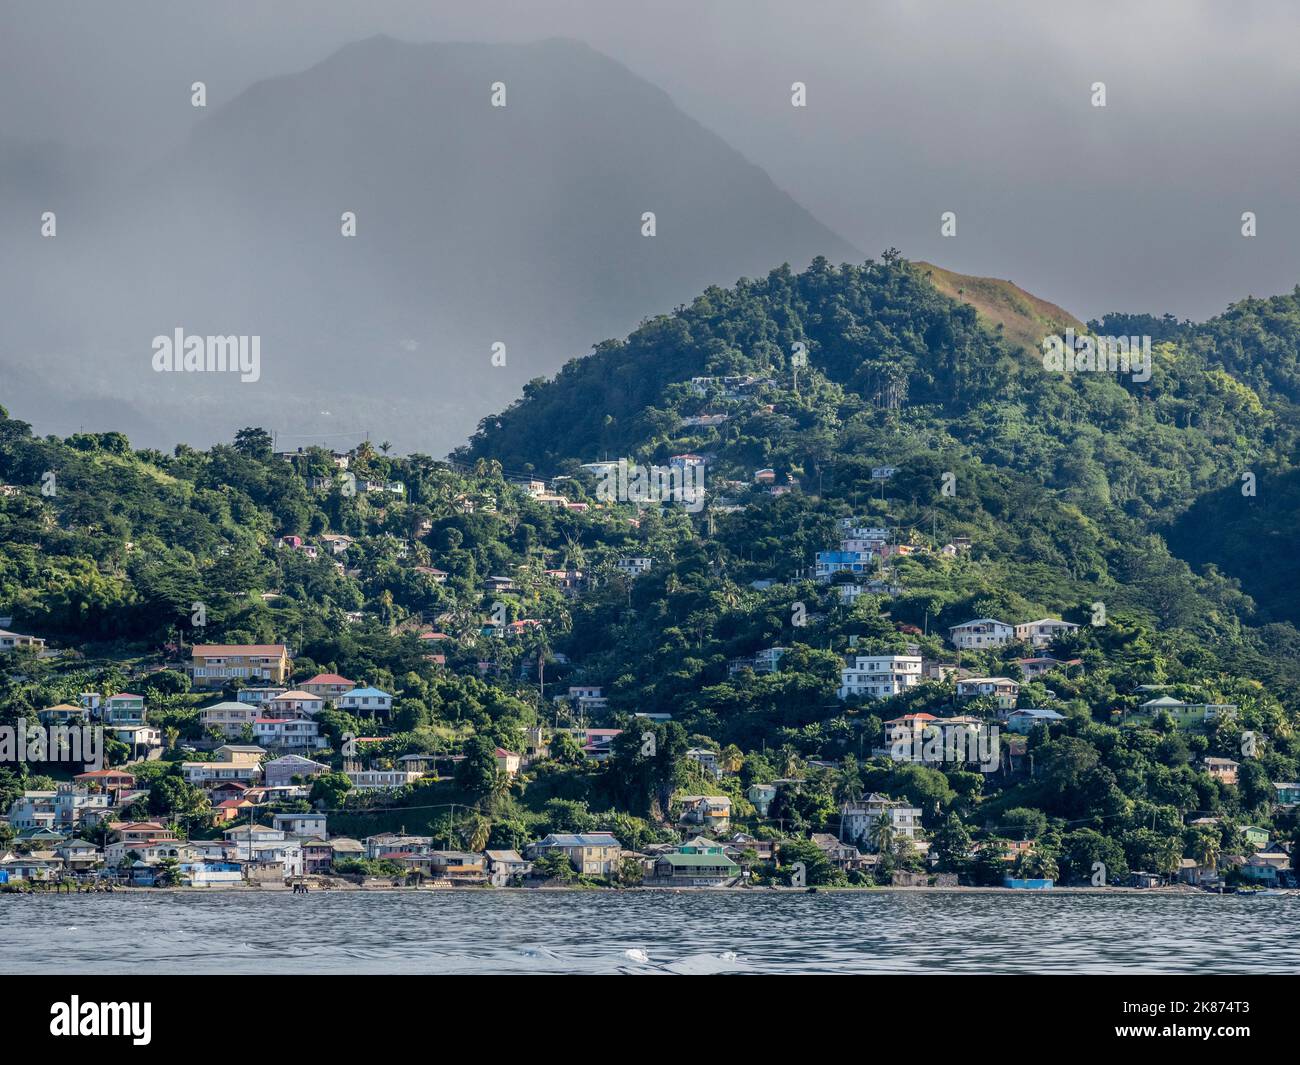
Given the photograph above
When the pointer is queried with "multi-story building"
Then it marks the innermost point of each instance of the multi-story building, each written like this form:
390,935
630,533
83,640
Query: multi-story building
980,634
1042,632
287,732
300,825
862,821
294,704
1002,689
328,686
230,717
281,772
215,665
366,701
592,853
634,567
122,709
829,563
377,779
879,676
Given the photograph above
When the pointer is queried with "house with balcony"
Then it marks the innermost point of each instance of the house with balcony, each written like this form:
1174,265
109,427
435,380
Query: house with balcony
295,703
863,821
328,686
380,779
140,738
707,760
762,796
585,698
283,771
1023,721
110,780
300,825
879,676
1037,665
280,733
592,853
828,563
239,763
260,694
62,714
229,717
634,567
13,641
1185,714
1042,632
1003,690
79,856
708,813
216,665
697,863
597,743
1224,770
366,700
123,709
980,634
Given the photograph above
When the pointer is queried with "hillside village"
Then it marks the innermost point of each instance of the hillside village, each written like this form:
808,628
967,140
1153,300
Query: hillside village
323,667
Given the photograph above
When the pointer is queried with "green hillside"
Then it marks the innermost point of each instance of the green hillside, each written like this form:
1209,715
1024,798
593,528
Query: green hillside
1011,492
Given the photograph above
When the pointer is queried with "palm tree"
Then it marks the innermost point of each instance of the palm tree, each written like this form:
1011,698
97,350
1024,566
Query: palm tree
882,832
476,832
500,790
1207,850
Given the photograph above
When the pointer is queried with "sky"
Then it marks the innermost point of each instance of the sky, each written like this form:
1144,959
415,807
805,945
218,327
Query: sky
914,109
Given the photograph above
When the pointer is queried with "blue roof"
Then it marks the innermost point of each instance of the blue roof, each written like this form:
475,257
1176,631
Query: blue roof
370,692
1050,715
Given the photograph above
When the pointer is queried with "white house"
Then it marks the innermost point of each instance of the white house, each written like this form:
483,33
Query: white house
634,567
707,760
981,633
10,641
230,717
287,732
300,825
282,771
296,703
879,676
366,701
1042,632
376,779
860,820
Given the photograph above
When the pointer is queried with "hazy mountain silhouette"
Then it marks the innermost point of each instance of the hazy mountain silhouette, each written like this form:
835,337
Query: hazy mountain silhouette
475,224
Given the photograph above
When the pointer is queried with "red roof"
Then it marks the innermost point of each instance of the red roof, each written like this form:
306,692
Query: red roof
329,678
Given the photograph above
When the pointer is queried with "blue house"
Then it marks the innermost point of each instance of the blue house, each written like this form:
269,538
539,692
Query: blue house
1023,721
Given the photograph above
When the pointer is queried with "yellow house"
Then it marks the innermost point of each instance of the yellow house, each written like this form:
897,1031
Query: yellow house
213,665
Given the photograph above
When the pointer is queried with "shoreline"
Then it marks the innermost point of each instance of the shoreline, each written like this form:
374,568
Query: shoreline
351,888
